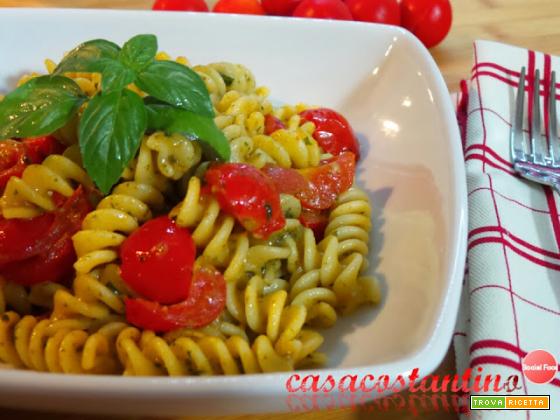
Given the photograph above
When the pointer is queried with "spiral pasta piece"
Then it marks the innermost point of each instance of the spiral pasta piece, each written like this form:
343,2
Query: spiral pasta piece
62,346
175,154
146,354
31,194
349,221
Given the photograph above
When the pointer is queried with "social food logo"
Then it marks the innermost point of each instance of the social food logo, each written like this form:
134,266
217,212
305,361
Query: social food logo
539,366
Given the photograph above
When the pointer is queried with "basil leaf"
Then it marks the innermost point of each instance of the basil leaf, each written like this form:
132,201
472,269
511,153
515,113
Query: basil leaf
85,57
115,76
139,51
110,133
176,85
40,106
176,120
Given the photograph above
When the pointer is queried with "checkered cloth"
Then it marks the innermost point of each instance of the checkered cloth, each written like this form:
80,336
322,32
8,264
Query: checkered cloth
511,295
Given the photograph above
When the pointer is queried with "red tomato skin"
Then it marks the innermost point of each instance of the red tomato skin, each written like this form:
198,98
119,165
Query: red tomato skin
315,220
53,266
272,124
280,7
19,237
181,5
429,20
16,155
328,181
206,300
323,9
51,257
286,180
247,194
332,131
38,148
157,261
377,11
241,7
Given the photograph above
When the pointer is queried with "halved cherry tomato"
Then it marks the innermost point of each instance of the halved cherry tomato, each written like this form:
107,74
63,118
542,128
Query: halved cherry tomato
328,181
332,131
206,300
50,257
16,155
19,237
323,9
429,20
181,5
12,160
280,7
315,220
378,11
247,194
272,124
38,148
241,7
287,180
157,261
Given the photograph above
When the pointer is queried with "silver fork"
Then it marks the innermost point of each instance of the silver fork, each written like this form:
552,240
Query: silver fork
535,160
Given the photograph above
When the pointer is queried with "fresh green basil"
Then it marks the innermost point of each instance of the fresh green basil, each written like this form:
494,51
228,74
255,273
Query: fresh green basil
86,57
115,76
110,133
170,119
176,85
39,106
139,51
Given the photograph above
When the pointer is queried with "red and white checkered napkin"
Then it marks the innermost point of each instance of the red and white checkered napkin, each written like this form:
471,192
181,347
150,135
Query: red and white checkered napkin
511,295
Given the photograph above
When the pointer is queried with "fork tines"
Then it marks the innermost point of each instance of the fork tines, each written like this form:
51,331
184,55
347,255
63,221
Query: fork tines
540,154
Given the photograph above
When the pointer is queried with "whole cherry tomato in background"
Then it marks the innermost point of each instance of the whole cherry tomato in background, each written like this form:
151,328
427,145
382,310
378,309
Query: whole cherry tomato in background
323,9
280,7
181,5
242,7
157,261
378,11
429,20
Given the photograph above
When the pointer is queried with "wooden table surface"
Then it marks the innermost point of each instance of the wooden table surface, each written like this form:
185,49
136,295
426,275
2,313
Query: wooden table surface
531,24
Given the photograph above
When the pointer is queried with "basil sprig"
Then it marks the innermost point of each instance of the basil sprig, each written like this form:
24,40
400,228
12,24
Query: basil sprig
115,120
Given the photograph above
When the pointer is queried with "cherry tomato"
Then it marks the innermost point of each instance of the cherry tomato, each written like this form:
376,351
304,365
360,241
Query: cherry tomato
19,237
378,11
287,180
429,20
157,261
332,131
181,5
241,7
328,181
16,155
280,7
247,194
315,220
12,160
206,300
49,258
38,148
323,9
272,124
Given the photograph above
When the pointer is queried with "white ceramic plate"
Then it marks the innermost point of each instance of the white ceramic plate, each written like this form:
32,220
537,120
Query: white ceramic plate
387,85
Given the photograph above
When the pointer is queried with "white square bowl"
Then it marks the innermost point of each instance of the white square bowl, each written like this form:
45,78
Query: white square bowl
386,83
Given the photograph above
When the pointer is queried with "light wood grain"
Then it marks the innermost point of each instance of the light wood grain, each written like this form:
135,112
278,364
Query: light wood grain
533,24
